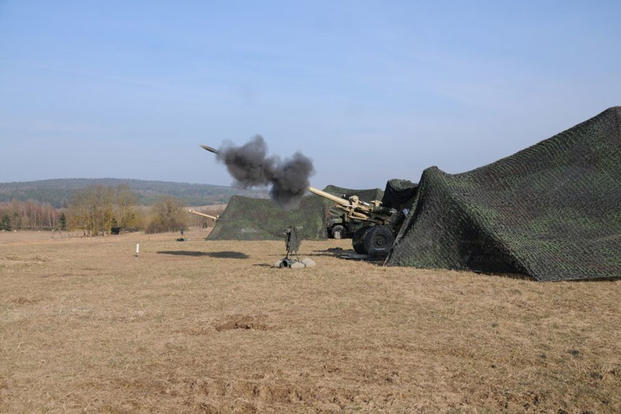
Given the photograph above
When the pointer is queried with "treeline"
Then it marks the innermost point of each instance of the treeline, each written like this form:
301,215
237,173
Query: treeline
96,210
58,192
31,215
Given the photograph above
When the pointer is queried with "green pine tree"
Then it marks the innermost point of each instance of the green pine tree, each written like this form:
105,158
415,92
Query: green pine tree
62,220
5,223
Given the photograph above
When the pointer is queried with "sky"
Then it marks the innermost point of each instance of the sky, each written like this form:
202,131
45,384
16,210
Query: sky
369,90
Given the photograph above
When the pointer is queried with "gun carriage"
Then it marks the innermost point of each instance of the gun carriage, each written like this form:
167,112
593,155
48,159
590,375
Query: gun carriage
378,225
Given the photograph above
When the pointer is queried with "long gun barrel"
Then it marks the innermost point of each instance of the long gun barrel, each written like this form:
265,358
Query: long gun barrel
354,208
337,200
198,213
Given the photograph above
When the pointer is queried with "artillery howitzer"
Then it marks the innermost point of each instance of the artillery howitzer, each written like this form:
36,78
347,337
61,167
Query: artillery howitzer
378,224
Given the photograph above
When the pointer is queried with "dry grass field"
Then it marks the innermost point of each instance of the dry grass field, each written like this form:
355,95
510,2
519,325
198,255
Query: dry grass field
202,326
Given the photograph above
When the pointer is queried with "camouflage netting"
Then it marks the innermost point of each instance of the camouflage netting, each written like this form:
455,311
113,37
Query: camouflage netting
551,211
261,219
399,194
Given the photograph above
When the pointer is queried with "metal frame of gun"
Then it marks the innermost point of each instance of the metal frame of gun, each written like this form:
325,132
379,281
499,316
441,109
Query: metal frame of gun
356,209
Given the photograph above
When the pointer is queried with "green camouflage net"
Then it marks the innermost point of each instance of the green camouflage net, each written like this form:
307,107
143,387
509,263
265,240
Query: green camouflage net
261,219
551,211
399,194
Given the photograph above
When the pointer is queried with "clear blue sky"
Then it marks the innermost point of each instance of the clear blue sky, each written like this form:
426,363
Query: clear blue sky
368,90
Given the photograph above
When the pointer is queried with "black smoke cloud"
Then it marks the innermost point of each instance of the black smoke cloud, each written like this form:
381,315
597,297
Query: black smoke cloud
250,166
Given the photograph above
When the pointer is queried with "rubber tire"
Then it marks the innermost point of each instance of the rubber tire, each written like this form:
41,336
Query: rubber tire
358,239
337,232
378,241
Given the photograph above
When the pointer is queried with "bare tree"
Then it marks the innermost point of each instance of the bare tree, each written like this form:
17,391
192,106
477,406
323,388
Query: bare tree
126,213
97,209
91,210
168,215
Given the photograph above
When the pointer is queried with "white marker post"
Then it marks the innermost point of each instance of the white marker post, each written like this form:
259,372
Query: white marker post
137,249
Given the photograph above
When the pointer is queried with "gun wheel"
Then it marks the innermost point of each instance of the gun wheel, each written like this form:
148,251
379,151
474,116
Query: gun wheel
358,240
378,241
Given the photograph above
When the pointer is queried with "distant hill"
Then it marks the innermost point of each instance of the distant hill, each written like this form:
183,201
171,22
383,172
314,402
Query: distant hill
58,192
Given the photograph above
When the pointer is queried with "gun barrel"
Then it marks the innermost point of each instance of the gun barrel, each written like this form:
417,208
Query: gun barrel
198,213
210,149
338,200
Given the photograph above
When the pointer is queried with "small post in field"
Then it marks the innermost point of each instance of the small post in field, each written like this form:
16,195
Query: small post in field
137,249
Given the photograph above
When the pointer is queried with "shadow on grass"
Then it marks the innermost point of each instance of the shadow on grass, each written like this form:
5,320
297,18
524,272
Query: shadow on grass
331,252
218,255
348,254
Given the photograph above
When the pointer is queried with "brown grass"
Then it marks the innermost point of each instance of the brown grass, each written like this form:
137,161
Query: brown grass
86,326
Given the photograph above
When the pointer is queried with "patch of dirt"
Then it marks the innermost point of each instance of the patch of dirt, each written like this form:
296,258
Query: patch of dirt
244,322
22,300
209,391
196,331
22,261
